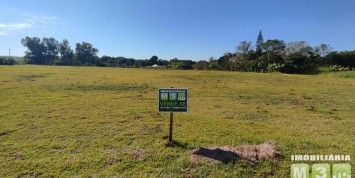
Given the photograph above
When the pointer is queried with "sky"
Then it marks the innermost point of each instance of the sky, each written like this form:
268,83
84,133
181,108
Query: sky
184,29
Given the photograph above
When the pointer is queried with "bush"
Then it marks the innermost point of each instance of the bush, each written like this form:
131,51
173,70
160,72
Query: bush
9,61
337,68
275,67
2,61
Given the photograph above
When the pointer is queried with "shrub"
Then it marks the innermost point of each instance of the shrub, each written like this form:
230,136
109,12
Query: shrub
275,67
9,61
336,68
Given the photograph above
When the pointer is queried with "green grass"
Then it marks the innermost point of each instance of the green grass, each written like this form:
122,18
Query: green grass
103,122
347,74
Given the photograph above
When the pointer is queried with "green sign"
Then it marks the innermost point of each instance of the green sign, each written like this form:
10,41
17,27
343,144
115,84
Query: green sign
172,100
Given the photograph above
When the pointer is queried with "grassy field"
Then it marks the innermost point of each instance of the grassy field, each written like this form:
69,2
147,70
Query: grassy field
103,122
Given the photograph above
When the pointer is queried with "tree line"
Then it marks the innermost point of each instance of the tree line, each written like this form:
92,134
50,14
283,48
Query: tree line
49,51
266,56
277,55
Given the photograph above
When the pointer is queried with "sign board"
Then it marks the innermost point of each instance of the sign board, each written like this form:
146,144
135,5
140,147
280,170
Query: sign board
172,100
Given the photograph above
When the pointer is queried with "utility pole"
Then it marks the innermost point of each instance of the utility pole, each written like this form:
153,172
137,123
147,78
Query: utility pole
9,52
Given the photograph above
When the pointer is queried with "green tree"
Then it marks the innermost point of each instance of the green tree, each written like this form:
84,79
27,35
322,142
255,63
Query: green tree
295,47
201,65
35,50
66,53
2,61
342,58
8,61
39,51
86,53
274,46
50,50
323,50
225,62
106,61
244,47
153,60
259,43
181,64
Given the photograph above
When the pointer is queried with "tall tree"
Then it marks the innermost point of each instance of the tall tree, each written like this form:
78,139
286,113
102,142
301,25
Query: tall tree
273,52
40,52
259,43
50,51
66,53
153,60
300,47
85,53
35,50
274,46
244,47
323,49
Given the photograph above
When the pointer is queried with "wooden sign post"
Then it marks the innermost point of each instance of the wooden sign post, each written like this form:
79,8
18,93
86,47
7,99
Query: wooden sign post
172,100
171,129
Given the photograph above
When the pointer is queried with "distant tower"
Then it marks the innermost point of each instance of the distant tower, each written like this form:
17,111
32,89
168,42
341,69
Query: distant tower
9,52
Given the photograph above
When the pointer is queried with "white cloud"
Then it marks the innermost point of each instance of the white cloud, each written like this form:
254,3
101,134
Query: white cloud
40,21
3,34
32,22
14,26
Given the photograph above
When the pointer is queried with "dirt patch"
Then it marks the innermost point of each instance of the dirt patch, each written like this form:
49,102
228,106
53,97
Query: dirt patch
31,175
252,153
107,87
32,77
138,154
138,117
158,129
16,156
8,132
296,102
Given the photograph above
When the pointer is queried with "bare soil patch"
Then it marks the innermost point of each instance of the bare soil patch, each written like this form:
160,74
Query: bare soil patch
252,153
